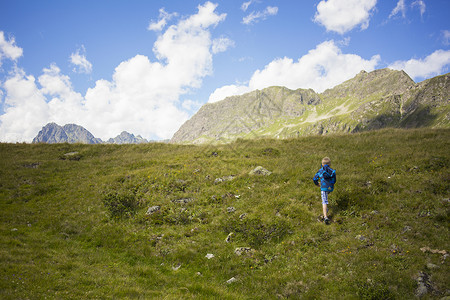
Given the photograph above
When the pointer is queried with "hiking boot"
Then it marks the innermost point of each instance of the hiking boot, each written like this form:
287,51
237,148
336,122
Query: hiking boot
326,221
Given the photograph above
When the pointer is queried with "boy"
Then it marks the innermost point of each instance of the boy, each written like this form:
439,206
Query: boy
327,177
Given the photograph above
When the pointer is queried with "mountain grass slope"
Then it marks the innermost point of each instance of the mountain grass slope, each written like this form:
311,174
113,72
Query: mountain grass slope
75,220
383,98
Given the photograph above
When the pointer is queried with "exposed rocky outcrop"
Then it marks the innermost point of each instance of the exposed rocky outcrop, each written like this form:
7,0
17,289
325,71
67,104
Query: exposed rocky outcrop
70,133
127,138
379,99
53,133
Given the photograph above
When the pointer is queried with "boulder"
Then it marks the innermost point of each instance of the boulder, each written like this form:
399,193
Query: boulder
260,171
153,209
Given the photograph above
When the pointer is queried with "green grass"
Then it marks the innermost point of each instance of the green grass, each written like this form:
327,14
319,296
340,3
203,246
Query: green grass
77,228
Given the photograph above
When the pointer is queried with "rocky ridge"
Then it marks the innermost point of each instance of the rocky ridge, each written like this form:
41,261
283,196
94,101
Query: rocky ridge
53,133
379,99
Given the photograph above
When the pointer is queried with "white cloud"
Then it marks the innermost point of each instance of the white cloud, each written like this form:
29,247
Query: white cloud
221,44
164,17
446,37
421,5
81,64
256,16
8,49
434,64
321,68
228,90
245,5
399,8
142,97
342,16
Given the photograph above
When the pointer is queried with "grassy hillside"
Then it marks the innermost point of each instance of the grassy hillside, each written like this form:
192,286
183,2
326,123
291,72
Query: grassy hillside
75,226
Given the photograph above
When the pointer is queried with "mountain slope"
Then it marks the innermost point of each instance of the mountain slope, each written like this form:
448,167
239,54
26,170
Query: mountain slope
69,133
382,98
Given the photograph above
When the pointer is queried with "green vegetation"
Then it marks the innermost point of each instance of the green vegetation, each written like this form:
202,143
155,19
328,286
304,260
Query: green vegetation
76,226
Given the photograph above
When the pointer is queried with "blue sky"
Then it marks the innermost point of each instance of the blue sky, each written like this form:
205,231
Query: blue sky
148,66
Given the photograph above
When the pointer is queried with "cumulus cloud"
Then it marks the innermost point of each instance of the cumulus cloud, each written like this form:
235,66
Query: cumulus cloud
8,49
256,16
319,69
434,64
221,44
81,64
342,16
142,97
164,17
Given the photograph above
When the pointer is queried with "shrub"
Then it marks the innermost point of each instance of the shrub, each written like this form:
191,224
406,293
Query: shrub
120,203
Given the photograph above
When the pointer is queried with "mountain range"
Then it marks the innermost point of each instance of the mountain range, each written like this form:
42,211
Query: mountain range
72,133
379,99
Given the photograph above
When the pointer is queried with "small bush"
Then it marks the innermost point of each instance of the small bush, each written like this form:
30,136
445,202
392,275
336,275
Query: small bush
255,232
120,203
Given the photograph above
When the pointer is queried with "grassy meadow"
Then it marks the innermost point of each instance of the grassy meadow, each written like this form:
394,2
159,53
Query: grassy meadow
76,226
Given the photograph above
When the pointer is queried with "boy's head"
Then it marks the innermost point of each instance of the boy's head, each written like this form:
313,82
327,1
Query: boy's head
326,161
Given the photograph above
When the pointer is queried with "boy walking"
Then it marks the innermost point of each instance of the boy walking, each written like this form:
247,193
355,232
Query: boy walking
327,177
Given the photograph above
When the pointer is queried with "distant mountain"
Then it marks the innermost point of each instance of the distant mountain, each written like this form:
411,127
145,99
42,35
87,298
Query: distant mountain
69,133
379,99
127,138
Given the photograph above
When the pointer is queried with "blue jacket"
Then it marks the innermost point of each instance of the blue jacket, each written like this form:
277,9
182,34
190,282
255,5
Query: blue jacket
327,178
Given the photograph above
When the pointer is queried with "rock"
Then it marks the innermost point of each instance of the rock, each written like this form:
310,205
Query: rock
209,255
231,209
14,229
69,133
242,216
224,179
127,138
32,165
260,171
243,250
423,285
228,239
71,156
432,266
361,238
153,209
183,200
231,280
198,274
176,267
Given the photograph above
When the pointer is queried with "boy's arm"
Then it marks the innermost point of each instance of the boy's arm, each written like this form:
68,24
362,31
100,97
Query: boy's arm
316,179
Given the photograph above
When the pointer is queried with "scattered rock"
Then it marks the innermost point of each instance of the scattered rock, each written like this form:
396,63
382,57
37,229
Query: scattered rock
243,250
242,216
231,280
406,229
224,179
183,200
177,267
198,274
260,171
209,255
375,212
32,165
153,209
228,239
231,209
71,156
428,249
14,229
432,266
361,238
423,285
